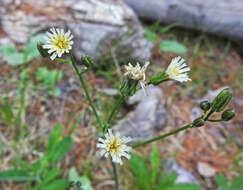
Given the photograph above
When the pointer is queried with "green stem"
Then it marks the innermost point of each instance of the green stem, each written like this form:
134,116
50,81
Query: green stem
208,115
115,175
113,112
163,136
217,120
99,120
63,60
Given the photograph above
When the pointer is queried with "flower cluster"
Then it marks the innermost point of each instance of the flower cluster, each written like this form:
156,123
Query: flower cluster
114,146
58,42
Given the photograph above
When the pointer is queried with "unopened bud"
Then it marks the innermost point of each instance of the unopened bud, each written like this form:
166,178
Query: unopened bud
205,105
43,52
199,122
87,61
157,78
128,87
228,115
222,100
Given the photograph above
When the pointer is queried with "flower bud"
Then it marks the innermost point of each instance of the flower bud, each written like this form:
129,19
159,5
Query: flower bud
205,105
222,100
228,115
43,52
87,61
198,122
157,78
128,87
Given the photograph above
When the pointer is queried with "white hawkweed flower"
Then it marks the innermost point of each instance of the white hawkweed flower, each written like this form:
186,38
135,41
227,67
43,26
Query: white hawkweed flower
114,146
137,73
177,70
58,42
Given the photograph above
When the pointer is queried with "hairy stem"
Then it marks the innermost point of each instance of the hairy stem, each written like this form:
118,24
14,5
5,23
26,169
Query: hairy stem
162,136
99,120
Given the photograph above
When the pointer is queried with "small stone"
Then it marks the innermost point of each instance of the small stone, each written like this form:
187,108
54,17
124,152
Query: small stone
184,176
148,116
205,169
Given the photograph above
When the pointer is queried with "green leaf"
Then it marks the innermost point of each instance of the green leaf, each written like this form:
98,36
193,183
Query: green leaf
30,52
41,73
15,59
55,137
56,92
84,180
237,183
141,172
59,184
172,46
221,182
184,187
8,50
60,149
51,175
167,181
6,112
150,35
16,175
155,161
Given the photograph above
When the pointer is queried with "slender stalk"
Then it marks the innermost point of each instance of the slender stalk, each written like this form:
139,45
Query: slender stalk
99,120
63,60
115,108
162,136
208,115
115,175
217,120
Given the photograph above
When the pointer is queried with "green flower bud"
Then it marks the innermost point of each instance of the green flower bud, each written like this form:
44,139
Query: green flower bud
87,61
199,122
205,105
222,100
157,78
43,52
128,87
228,115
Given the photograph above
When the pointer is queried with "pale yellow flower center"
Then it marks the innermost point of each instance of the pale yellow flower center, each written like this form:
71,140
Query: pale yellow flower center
60,41
175,71
114,146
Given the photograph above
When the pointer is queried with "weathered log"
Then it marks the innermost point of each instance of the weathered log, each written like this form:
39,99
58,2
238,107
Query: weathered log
220,17
97,25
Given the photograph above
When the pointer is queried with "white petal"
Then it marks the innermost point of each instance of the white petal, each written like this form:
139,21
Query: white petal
53,56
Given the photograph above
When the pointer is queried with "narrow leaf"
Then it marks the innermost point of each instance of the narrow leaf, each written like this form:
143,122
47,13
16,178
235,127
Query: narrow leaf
16,175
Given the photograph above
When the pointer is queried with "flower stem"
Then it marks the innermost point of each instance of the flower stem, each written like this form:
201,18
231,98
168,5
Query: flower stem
217,120
99,120
113,112
162,136
63,60
115,175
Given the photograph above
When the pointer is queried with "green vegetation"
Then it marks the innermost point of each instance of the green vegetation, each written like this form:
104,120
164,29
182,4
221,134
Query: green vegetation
13,57
153,177
50,78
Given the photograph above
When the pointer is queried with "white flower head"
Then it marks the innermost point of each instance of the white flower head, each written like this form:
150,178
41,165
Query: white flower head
58,42
137,73
114,146
178,69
